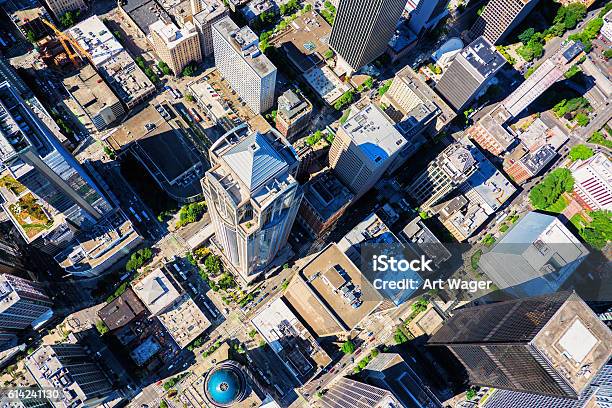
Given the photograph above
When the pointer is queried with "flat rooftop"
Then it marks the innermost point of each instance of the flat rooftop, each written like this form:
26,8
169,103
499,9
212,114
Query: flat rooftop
245,43
121,310
290,340
483,57
144,13
326,83
165,150
326,194
211,9
325,310
184,320
156,291
90,91
305,41
375,134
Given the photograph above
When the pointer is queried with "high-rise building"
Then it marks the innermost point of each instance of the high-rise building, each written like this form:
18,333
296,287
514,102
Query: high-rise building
252,197
419,107
23,303
593,182
364,147
60,7
536,256
425,14
549,345
52,201
11,258
176,47
293,114
499,17
469,73
8,73
597,394
68,368
362,29
205,14
240,61
347,393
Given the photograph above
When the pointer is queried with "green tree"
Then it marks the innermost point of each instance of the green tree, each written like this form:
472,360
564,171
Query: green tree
164,68
599,231
328,54
399,337
31,37
569,16
582,119
384,88
608,53
348,347
526,35
213,264
189,70
550,189
420,305
163,404
101,327
344,100
580,152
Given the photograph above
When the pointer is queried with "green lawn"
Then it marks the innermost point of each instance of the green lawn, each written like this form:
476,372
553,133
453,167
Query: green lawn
559,205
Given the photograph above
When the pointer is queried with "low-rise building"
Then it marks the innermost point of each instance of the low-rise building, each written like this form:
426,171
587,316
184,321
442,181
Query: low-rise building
166,301
535,257
255,8
531,164
60,7
112,61
421,239
593,182
325,201
293,114
122,310
94,97
294,345
176,47
491,132
142,13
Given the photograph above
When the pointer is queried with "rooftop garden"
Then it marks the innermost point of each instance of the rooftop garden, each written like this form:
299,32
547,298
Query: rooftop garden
30,215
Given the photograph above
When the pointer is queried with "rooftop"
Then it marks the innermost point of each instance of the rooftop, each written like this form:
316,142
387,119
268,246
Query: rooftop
245,42
255,7
184,321
537,160
144,13
171,34
290,340
539,134
210,10
482,56
325,310
326,194
291,105
156,291
375,134
326,83
90,91
121,310
111,60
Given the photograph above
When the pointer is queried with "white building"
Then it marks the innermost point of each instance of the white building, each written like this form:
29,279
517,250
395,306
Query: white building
593,182
606,30
365,146
241,63
252,197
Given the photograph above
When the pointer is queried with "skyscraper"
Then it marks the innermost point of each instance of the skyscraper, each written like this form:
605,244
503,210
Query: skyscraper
176,47
252,197
469,73
425,14
240,61
362,30
22,303
364,147
70,369
499,17
549,345
52,201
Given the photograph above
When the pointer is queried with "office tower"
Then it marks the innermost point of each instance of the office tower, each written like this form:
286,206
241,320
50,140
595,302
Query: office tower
549,72
469,73
54,204
549,345
362,29
252,197
593,182
500,17
293,114
450,169
22,303
60,7
347,393
597,395
176,47
11,258
205,14
364,147
239,60
419,108
70,369
425,14
8,73
535,257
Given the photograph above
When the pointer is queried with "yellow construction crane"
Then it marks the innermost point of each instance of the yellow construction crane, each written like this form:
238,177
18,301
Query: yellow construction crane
64,40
